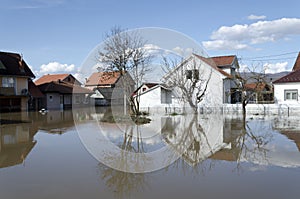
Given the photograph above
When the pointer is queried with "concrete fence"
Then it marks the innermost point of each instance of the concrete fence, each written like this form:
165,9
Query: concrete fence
252,109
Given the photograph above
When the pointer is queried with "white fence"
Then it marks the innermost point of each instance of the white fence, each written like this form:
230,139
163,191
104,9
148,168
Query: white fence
252,109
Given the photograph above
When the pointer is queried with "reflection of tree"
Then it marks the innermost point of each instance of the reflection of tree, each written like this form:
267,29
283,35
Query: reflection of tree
253,144
189,140
195,142
123,184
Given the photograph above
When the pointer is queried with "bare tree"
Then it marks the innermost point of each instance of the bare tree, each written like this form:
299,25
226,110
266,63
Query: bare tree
188,78
125,52
250,76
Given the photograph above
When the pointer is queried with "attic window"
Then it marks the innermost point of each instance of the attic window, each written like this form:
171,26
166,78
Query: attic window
2,65
189,74
192,74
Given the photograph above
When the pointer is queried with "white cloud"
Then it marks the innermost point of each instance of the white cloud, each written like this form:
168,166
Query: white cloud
56,67
256,17
243,36
276,68
224,45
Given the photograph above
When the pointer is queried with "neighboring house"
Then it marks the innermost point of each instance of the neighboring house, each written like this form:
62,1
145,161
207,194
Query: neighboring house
62,91
219,71
68,78
287,88
262,93
14,77
154,95
110,85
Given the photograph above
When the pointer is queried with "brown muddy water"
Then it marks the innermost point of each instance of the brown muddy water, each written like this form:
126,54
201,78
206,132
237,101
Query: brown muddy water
44,156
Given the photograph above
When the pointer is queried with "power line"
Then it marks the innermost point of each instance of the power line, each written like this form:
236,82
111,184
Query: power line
266,56
283,58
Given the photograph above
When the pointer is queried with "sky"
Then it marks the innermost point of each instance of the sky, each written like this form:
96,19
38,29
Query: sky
56,36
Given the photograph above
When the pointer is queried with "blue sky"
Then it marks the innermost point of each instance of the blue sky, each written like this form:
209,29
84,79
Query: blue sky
57,35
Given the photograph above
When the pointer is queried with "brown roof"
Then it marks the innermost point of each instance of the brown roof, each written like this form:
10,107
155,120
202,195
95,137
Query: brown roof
291,77
255,86
212,63
103,78
50,78
63,88
14,65
224,60
297,63
34,90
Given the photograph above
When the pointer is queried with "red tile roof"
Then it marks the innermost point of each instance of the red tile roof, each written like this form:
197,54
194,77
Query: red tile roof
103,78
212,63
291,77
297,63
224,60
49,78
255,86
13,64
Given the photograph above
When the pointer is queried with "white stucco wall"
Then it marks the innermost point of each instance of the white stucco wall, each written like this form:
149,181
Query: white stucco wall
151,98
279,92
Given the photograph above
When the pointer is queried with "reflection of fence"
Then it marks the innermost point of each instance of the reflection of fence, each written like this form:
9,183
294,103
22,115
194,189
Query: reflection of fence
252,109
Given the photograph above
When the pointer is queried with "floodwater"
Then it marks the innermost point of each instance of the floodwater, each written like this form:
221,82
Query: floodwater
214,156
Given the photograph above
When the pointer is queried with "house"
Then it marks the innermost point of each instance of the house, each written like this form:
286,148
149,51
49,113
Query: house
286,89
218,72
68,78
62,91
111,85
35,97
262,92
154,95
14,77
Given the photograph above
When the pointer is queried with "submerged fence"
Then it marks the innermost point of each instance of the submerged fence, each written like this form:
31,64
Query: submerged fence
252,109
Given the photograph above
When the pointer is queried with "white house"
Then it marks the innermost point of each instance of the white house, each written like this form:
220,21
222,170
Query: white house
155,95
286,89
218,73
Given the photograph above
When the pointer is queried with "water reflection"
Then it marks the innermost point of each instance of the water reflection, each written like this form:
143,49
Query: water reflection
17,131
16,143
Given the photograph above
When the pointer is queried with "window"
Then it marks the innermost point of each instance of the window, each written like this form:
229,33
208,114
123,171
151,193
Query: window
291,94
50,98
2,65
196,74
188,74
8,82
77,99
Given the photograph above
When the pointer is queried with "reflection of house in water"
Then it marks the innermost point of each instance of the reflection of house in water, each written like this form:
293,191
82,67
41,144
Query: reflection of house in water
17,140
290,127
196,139
232,130
56,122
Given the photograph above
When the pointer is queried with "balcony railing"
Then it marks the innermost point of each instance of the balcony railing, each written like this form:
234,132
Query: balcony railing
7,91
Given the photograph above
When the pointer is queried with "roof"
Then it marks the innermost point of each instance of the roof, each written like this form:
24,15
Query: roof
34,90
50,78
256,86
213,64
63,88
12,64
103,78
297,63
294,76
224,60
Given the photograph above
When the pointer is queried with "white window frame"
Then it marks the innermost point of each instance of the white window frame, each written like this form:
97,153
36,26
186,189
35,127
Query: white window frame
291,95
